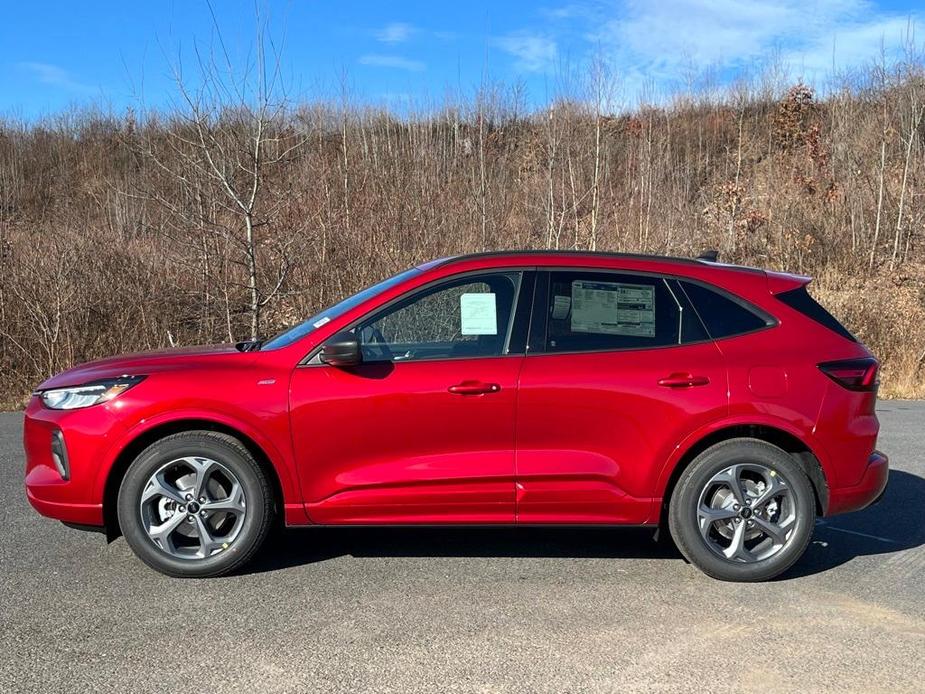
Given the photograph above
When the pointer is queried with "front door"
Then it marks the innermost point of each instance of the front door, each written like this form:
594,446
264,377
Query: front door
423,430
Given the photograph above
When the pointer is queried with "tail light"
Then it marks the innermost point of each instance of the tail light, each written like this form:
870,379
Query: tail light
853,374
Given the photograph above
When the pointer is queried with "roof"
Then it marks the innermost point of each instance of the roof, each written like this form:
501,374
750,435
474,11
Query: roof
568,254
526,255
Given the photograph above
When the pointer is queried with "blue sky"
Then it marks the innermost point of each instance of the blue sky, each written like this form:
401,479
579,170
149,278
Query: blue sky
116,54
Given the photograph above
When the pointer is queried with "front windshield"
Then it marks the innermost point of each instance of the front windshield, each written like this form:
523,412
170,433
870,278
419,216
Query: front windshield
297,332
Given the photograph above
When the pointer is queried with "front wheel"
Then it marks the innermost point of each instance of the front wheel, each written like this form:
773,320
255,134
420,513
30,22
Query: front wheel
743,510
195,504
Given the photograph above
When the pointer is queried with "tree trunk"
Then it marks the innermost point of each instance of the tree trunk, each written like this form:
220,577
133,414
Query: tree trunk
253,292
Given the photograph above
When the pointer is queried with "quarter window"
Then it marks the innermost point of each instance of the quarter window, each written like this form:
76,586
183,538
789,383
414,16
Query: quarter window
468,317
589,311
723,316
800,300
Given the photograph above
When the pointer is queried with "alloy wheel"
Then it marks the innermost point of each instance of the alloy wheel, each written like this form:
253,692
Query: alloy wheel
746,512
193,508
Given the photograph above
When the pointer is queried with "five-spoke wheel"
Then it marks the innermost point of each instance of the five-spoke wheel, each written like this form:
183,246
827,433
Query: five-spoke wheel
193,507
195,504
743,510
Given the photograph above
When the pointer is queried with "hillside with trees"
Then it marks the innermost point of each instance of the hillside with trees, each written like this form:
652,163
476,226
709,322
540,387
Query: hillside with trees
226,218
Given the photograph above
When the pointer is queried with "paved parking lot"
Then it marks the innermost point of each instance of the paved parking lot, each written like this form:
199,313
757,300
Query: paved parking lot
403,610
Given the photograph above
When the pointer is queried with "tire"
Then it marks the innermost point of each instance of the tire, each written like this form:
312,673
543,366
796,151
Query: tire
740,537
211,534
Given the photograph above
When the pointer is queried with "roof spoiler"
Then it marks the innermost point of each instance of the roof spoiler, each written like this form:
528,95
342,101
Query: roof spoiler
711,255
779,282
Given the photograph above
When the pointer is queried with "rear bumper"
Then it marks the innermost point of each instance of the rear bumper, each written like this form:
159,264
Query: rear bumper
864,493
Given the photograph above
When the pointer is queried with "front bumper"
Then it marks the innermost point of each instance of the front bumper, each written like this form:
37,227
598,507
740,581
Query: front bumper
68,512
87,435
864,493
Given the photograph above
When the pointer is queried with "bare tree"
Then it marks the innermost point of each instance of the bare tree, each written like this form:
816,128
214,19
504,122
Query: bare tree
229,137
233,212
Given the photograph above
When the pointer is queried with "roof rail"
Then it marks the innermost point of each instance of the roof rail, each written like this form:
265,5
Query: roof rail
554,253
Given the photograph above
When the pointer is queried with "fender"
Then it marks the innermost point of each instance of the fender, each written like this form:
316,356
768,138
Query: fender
754,419
281,461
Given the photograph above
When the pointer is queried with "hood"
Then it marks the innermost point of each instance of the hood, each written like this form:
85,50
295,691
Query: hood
144,363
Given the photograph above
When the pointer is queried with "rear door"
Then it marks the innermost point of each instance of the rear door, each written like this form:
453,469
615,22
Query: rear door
619,369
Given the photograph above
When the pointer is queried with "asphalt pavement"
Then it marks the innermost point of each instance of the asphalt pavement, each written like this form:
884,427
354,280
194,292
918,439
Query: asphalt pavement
443,610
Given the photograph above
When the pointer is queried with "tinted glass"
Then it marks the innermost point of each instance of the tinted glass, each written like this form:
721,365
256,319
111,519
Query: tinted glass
469,317
722,315
590,311
801,300
692,328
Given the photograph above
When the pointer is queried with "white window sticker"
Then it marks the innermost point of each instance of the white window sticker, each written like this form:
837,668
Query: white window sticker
560,307
478,314
321,321
613,308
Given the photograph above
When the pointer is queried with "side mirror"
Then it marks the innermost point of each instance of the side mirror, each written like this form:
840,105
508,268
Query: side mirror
342,349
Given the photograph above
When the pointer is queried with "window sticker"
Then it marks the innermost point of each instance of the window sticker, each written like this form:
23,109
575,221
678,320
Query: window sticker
478,314
321,321
613,308
560,307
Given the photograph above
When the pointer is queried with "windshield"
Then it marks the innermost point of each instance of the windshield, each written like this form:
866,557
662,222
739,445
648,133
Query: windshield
297,332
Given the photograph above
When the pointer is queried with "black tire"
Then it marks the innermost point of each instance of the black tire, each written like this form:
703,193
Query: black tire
231,454
685,500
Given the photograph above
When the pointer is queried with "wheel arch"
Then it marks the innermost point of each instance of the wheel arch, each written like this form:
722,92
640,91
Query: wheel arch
776,435
145,438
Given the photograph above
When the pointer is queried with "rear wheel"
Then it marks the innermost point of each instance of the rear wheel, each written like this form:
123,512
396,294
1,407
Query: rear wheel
195,504
743,510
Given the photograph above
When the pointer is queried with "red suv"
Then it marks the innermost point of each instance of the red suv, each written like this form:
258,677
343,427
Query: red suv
511,388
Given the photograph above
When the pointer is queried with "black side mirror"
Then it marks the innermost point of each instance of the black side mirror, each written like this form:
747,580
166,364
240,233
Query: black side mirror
342,349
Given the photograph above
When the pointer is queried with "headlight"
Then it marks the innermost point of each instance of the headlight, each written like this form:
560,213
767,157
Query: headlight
89,394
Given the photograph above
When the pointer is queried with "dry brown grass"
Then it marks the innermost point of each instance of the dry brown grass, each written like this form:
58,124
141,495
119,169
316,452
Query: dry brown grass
888,315
116,235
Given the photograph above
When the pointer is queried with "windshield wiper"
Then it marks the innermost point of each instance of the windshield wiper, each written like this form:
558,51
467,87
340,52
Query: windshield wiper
250,345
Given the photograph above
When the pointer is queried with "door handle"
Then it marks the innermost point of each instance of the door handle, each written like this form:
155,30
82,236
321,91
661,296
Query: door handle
682,380
474,388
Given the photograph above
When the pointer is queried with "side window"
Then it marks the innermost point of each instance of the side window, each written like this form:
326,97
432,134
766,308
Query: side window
590,311
722,316
800,300
468,317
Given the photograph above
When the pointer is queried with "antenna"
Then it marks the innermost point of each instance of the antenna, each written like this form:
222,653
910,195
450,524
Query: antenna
711,255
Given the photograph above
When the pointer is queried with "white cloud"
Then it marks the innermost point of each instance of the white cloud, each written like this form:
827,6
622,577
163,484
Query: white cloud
849,45
533,52
395,32
660,41
564,12
56,76
392,61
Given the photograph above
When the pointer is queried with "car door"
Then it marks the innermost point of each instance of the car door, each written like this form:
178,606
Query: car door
423,430
618,370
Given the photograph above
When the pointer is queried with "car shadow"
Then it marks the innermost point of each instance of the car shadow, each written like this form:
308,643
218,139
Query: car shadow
894,524
881,529
295,547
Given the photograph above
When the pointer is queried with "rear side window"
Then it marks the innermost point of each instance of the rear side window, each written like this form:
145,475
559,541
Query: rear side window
595,311
800,300
722,315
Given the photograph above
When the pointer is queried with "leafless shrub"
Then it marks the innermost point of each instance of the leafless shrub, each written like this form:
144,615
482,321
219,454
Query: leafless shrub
231,217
